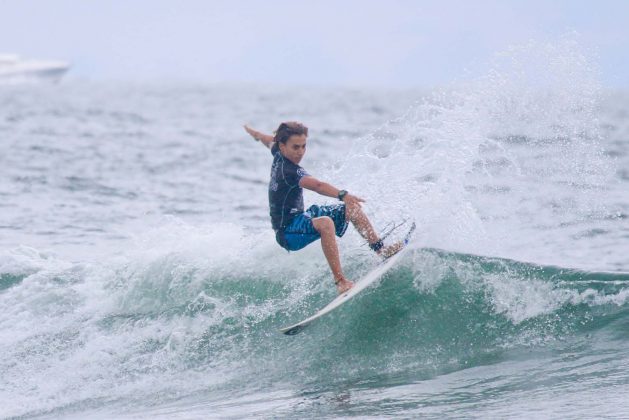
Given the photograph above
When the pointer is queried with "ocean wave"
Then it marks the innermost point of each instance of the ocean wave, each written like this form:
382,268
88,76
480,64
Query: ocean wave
169,315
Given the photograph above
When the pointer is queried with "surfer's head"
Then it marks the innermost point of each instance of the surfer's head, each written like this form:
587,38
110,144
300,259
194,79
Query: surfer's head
291,138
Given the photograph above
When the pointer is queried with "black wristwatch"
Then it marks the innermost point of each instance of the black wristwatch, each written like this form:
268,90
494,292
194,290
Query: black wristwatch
342,194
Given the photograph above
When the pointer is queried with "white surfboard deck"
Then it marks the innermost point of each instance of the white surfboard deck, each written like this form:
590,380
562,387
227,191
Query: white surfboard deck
359,286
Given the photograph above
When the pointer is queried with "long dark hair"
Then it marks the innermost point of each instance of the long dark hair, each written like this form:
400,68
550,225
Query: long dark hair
287,129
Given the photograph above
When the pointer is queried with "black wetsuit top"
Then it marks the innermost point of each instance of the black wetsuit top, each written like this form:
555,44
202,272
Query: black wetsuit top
286,199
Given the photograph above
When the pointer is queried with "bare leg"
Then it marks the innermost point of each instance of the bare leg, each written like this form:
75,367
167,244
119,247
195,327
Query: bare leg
362,224
325,226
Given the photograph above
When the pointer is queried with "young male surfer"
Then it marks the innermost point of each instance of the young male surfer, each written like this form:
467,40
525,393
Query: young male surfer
296,228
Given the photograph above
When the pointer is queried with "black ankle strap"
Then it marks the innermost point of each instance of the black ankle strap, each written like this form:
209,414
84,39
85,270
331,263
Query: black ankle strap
376,246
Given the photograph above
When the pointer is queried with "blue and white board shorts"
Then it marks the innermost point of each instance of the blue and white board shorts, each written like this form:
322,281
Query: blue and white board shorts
301,232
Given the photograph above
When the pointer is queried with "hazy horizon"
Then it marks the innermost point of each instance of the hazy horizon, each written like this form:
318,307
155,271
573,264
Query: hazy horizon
399,45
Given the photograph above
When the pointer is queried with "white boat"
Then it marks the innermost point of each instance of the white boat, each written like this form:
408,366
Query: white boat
15,70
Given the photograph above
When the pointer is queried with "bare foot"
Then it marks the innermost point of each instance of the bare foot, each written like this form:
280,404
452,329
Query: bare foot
343,285
391,250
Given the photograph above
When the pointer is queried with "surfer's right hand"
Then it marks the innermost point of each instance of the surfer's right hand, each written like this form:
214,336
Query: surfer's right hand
253,133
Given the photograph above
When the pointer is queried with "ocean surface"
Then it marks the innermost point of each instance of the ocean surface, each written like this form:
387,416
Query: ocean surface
139,276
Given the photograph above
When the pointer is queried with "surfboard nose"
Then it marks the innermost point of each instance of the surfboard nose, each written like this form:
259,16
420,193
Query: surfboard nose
295,330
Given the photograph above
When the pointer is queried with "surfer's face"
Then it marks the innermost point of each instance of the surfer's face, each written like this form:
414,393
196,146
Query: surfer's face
295,148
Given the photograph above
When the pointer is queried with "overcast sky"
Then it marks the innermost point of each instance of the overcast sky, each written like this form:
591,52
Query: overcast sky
395,43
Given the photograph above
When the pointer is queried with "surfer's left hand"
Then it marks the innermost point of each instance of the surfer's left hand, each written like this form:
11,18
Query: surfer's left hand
352,201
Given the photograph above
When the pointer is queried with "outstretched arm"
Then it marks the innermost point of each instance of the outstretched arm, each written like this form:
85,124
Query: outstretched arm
266,139
323,188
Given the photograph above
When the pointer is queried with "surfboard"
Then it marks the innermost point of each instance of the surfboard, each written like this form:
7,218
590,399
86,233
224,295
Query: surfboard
359,286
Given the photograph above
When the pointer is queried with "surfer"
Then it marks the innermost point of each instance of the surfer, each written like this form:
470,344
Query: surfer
295,228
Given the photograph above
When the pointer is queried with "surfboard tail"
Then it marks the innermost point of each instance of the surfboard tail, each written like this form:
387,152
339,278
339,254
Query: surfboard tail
409,234
405,241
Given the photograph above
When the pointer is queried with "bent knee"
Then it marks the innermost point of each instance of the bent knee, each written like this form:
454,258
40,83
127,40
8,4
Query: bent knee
323,224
